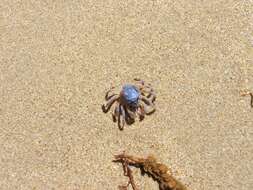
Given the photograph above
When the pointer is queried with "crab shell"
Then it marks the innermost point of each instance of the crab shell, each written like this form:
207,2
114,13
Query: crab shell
130,95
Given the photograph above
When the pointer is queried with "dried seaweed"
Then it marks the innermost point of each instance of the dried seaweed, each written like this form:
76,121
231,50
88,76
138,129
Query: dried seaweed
129,174
159,172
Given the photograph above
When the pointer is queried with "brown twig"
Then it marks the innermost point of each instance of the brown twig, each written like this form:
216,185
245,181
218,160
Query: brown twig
127,172
159,172
251,96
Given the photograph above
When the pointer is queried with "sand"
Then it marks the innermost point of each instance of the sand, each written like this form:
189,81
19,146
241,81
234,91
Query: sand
58,58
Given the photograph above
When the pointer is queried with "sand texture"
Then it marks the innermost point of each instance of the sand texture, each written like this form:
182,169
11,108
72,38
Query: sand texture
58,58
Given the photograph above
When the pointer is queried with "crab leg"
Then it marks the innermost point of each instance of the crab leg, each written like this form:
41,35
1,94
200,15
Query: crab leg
150,92
142,86
110,93
152,95
146,100
109,103
122,117
141,111
116,113
131,114
109,96
147,109
142,83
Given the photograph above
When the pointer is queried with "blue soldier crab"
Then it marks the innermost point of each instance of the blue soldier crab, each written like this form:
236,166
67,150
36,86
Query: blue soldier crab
131,100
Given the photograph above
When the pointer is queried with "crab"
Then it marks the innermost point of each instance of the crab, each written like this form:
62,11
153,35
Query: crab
131,101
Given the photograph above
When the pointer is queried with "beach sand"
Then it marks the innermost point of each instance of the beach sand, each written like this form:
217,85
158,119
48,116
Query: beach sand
58,58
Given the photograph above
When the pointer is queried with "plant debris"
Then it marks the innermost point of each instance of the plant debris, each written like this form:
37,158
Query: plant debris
159,172
129,174
251,95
